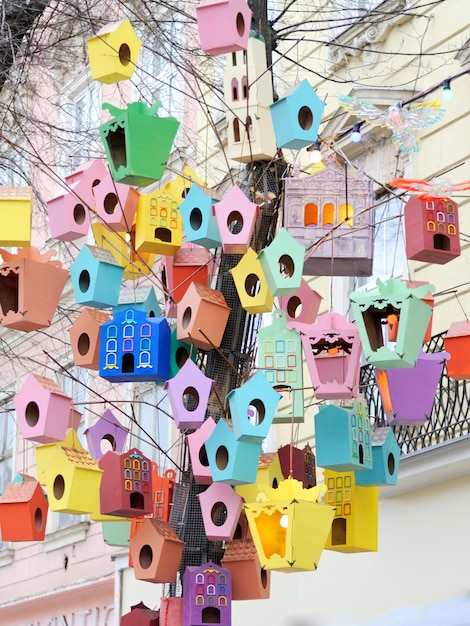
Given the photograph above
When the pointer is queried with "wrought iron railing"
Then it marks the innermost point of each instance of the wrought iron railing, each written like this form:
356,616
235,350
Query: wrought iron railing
450,416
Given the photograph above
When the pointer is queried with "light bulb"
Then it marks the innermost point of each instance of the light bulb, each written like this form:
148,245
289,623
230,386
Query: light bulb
356,136
315,152
284,521
446,90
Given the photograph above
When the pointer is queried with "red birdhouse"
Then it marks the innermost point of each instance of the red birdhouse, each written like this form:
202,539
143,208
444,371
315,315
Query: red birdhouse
189,264
457,344
140,615
23,510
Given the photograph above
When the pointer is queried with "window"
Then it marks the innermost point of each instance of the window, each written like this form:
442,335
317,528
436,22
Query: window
344,13
153,415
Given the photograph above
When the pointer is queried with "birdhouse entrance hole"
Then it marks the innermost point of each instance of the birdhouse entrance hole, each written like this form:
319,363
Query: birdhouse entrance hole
124,54
116,141
190,399
195,219
79,213
294,307
84,281
219,514
128,363
210,615
83,344
441,242
107,444
186,317
264,577
110,203
163,234
181,356
145,556
240,24
338,532
252,285
32,414
221,457
203,460
136,500
286,266
256,412
9,292
59,487
305,118
38,519
391,464
376,323
235,222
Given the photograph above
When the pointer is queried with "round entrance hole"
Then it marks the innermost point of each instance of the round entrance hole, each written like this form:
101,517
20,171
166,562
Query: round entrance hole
203,460
181,356
195,219
252,285
219,514
235,222
240,24
84,281
256,412
31,414
391,464
186,319
305,118
145,556
286,266
124,54
38,519
107,444
294,307
59,487
110,203
79,213
190,399
221,457
83,344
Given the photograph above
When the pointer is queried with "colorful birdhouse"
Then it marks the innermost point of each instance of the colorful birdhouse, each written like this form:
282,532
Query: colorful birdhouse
140,615
296,116
252,408
45,454
139,298
85,337
126,486
231,460
233,19
432,230
180,352
402,405
355,523
198,454
107,433
158,224
134,347
42,410
300,464
269,473
280,360
282,262
180,186
251,284
207,598
188,394
457,344
189,264
171,612
116,204
343,437
113,52
23,510
199,222
201,317
116,533
236,216
96,277
303,305
289,527
70,212
385,459
137,142
329,213
392,303
156,552
87,176
220,508
30,288
16,211
332,351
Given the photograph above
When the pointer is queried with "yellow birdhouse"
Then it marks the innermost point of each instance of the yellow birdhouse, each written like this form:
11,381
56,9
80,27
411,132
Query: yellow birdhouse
269,473
355,525
251,284
158,224
289,526
179,187
15,216
113,52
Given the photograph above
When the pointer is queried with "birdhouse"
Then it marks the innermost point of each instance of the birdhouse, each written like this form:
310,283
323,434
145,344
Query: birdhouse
116,204
280,360
282,262
207,597
332,351
45,454
171,611
269,473
180,352
96,277
16,209
391,304
107,433
402,405
236,216
87,176
329,213
233,19
30,288
231,460
134,347
116,533
140,615
126,486
343,437
432,230
158,224
251,284
23,510
252,408
137,143
113,52
188,394
303,305
139,298
355,523
189,264
156,552
180,186
429,299
199,222
289,527
385,459
85,337
457,344
201,317
196,442
42,410
298,463
220,508
296,117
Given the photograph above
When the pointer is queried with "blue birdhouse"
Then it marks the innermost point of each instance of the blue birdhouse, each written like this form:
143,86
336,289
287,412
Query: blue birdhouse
282,262
134,347
139,298
343,437
232,460
199,222
385,459
296,117
252,407
96,277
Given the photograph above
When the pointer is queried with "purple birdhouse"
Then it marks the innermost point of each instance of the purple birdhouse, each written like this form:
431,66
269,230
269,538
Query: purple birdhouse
188,394
207,595
107,434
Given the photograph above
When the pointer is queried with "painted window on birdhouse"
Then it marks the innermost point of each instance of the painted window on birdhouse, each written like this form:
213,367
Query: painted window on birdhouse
234,85
244,87
236,130
328,218
311,214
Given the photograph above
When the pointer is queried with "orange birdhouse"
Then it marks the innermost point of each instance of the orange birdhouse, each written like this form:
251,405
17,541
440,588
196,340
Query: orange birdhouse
85,338
156,552
457,344
23,510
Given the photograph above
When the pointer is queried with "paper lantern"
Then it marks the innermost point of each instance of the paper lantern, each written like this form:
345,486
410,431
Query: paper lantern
15,214
96,277
198,454
116,204
220,508
158,224
199,222
23,510
233,19
107,433
207,597
302,306
457,344
236,216
385,459
282,262
188,394
85,337
251,284
156,552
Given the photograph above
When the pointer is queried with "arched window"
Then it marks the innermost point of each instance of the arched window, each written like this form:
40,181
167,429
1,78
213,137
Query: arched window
328,214
346,214
244,87
234,89
249,127
431,226
451,229
236,130
311,214
440,216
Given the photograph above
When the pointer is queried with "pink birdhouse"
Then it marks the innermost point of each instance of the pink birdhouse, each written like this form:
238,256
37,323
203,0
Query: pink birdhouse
23,510
236,217
189,264
42,410
156,552
303,305
457,344
107,434
221,507
207,597
188,394
332,350
140,615
171,612
202,315
70,214
282,262
116,204
233,19
88,174
197,452
85,338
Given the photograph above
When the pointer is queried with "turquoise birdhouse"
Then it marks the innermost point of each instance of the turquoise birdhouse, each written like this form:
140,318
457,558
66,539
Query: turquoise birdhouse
282,263
385,459
343,437
296,117
96,277
180,352
199,222
140,298
252,407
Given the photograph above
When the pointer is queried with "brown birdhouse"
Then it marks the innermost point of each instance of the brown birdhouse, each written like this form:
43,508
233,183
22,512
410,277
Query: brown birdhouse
85,338
156,552
23,510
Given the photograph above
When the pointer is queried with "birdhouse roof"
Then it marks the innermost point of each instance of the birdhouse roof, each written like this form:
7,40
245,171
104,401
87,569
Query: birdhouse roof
195,255
211,295
133,295
98,316
164,529
49,385
458,329
80,458
19,491
16,193
102,254
240,550
379,435
266,459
